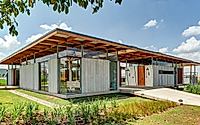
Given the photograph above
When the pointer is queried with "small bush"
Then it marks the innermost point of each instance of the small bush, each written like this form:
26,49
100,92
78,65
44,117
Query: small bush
195,89
98,112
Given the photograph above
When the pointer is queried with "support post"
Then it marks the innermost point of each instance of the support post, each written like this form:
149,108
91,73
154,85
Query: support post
26,61
34,60
106,54
118,71
58,69
126,74
190,74
81,74
195,81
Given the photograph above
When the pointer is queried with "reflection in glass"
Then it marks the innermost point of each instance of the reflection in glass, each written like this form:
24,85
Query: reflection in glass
69,75
44,76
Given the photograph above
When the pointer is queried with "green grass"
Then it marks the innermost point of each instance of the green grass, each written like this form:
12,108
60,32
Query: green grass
45,97
2,82
8,99
181,115
119,97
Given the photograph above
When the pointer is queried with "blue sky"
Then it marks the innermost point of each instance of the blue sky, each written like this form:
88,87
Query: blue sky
169,26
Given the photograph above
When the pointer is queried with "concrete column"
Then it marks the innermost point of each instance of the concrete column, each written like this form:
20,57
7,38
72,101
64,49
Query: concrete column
190,74
118,71
81,68
106,54
195,81
53,75
34,59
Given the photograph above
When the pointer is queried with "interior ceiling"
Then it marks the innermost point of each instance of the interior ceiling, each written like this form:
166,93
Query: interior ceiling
59,40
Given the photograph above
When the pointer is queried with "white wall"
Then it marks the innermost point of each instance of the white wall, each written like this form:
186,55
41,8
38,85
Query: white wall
95,75
10,77
132,75
163,79
29,76
53,75
149,79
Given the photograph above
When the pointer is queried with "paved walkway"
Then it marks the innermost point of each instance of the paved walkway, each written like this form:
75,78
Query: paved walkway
40,101
171,95
9,87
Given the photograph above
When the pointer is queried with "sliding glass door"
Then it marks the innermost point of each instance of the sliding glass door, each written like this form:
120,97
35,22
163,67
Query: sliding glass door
69,75
44,76
113,75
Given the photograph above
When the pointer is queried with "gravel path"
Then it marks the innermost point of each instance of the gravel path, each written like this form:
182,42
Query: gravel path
40,101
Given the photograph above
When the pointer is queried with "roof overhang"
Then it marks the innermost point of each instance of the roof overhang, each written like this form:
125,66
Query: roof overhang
48,43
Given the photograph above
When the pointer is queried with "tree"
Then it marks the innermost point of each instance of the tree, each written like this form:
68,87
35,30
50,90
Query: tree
10,9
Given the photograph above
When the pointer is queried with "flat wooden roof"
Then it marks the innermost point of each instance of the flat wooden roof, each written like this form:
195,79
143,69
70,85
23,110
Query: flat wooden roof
47,44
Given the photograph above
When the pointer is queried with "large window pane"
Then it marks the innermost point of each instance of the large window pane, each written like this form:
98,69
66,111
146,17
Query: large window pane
113,75
69,75
44,76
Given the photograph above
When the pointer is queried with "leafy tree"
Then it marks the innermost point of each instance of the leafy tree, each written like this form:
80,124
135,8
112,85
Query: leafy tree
10,9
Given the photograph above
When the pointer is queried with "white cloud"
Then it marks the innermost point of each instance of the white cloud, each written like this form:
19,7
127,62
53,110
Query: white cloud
191,31
151,48
189,46
9,42
120,41
163,50
48,28
54,26
2,55
150,24
190,49
33,38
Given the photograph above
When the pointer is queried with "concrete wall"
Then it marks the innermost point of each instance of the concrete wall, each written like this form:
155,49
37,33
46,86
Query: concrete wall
29,77
10,77
132,75
53,75
95,75
149,80
163,79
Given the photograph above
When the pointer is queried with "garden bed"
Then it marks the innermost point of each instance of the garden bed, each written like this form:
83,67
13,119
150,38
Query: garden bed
97,111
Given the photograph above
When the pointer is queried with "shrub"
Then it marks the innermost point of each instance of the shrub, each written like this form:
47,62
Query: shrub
195,89
95,113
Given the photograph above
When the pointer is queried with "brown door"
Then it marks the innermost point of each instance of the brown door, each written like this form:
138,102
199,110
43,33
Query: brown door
180,75
141,76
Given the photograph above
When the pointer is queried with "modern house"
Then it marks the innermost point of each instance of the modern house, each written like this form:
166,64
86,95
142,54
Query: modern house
64,62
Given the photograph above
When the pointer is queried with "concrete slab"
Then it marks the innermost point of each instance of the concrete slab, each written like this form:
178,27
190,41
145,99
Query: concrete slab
9,87
171,95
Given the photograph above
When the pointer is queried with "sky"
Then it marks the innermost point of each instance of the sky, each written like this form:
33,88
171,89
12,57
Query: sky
168,26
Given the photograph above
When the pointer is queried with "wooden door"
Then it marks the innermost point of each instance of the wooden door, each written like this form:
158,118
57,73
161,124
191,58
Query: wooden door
180,75
141,76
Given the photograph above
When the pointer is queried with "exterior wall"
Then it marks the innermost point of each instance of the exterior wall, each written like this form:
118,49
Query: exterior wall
53,75
10,77
132,75
163,79
29,76
95,75
149,76
36,76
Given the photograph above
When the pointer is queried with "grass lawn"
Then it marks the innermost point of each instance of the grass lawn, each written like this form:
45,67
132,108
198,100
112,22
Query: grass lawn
181,115
120,98
2,82
9,99
45,97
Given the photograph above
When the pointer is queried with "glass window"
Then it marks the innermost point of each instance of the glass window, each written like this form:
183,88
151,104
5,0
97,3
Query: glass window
113,75
44,76
69,75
